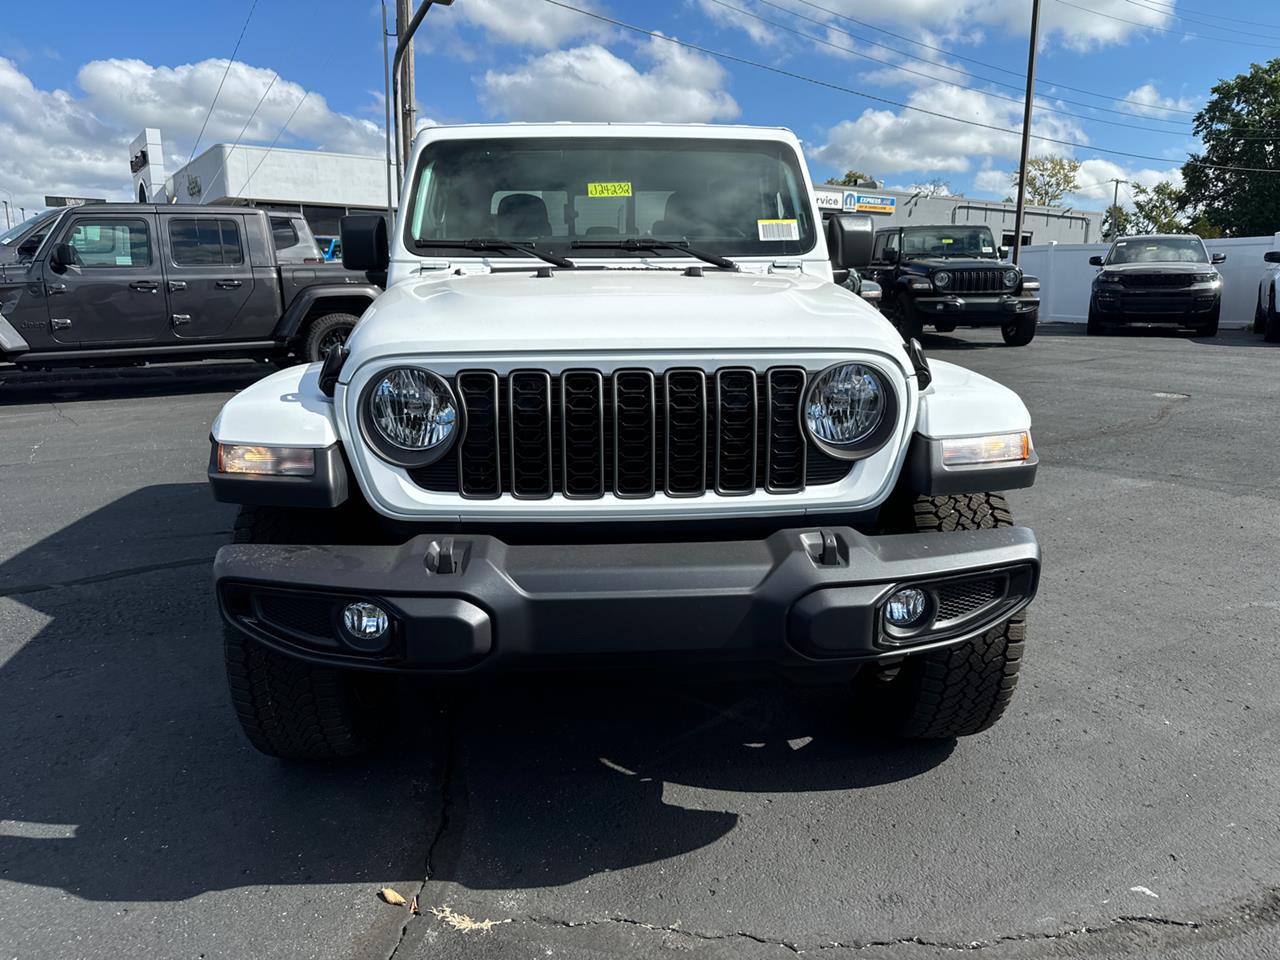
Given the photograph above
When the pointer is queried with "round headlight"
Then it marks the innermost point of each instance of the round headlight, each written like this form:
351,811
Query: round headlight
942,279
846,410
410,416
1011,278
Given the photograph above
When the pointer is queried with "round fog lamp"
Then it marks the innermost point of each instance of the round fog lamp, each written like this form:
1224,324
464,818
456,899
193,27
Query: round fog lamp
906,608
365,621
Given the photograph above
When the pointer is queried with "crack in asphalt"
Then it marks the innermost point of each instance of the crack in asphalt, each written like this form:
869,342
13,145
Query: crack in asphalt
64,416
18,589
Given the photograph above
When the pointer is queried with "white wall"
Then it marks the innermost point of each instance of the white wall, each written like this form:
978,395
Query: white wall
224,173
1066,277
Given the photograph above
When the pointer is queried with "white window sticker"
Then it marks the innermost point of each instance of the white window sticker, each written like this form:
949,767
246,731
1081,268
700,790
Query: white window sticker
778,229
986,248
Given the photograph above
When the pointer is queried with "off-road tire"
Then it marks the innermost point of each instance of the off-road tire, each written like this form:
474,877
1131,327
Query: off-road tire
908,320
1209,328
1020,330
324,333
945,327
959,690
1095,327
1271,328
1259,317
289,708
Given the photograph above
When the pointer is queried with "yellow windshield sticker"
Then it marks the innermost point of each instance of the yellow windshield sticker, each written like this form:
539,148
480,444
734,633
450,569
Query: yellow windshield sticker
615,189
778,229
947,241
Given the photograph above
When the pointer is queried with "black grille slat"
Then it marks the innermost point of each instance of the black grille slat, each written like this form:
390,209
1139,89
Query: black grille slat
634,434
958,600
530,416
1156,280
582,433
737,410
983,280
686,433
785,443
480,452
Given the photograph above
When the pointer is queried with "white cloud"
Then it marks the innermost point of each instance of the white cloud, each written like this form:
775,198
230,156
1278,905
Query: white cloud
1147,101
58,142
884,141
591,83
529,23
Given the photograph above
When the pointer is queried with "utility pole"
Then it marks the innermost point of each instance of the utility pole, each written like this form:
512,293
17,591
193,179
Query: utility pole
1026,129
393,178
1115,207
408,101
7,222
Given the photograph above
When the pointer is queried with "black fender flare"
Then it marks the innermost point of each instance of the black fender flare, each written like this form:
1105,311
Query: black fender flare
343,293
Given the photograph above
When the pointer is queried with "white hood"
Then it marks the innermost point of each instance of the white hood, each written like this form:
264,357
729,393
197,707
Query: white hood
594,311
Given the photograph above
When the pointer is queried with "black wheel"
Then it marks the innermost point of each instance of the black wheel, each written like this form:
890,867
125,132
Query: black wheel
907,319
325,333
1095,327
1259,317
1209,328
945,327
1020,330
286,707
960,690
1271,326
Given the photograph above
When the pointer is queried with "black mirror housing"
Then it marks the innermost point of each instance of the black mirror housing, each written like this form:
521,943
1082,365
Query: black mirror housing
63,255
1272,256
364,242
849,241
1095,261
1218,258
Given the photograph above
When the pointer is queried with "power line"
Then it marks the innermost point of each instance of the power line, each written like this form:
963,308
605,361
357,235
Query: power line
218,92
262,99
1176,33
734,58
928,76
984,63
1170,7
1208,23
248,181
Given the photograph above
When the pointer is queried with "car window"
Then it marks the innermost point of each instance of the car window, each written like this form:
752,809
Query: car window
111,243
891,246
1158,250
205,241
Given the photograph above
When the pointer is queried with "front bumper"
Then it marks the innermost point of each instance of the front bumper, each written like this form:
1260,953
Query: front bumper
975,309
1153,305
798,597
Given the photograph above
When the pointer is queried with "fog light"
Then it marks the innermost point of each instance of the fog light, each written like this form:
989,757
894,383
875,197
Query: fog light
365,621
906,608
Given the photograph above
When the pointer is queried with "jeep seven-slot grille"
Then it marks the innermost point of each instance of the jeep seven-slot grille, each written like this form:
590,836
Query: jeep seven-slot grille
982,280
633,433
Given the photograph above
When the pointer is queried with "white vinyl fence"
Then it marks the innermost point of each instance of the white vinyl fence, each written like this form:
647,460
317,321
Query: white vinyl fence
1065,276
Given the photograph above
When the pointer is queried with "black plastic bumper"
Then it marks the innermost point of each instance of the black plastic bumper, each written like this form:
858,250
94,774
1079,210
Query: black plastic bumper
802,596
975,309
1156,306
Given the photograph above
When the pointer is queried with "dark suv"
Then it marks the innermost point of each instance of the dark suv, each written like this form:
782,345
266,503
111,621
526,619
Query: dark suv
1157,279
127,283
952,276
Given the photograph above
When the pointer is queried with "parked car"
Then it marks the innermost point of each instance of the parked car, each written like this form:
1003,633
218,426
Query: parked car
622,421
129,283
22,240
953,276
1167,279
1266,320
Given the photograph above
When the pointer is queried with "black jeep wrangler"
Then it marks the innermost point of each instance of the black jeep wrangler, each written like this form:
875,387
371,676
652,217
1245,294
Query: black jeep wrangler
952,276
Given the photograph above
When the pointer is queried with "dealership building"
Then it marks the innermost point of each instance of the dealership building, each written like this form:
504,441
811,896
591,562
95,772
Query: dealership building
898,208
323,186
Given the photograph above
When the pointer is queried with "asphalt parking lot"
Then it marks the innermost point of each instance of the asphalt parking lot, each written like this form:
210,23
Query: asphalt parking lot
1126,805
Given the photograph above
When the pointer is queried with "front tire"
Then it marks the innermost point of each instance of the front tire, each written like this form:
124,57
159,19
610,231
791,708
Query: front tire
1209,328
1271,328
325,333
962,689
1020,330
1259,317
908,320
289,708
1095,327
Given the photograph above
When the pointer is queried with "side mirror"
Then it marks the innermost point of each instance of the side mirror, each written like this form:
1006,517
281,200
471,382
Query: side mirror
1272,256
1095,261
849,241
62,256
364,242
1002,253
1218,258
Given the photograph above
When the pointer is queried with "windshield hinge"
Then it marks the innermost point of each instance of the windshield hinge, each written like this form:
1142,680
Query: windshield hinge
786,266
430,266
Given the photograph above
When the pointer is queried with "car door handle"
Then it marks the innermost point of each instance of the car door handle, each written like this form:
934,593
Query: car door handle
145,286
60,324
227,284
181,318
176,285
53,289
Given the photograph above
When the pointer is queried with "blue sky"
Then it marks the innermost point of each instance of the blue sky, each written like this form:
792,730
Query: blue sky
77,84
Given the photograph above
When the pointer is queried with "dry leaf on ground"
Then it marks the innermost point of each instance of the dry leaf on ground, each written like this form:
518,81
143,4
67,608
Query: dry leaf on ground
459,921
391,897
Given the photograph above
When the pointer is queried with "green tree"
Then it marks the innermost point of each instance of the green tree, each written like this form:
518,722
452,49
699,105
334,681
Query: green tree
850,179
937,187
1238,203
1158,209
1117,223
1049,179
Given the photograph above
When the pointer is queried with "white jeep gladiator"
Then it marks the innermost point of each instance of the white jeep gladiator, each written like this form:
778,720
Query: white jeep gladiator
612,410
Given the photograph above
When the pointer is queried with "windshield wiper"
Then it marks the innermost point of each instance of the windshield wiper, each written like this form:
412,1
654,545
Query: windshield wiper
649,243
492,243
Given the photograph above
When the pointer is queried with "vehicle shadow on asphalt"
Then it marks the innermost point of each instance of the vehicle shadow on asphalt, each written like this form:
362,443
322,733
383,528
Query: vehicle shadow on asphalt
126,383
124,777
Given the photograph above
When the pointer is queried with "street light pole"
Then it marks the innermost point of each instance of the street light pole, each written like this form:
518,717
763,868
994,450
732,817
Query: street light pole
7,222
1026,129
405,32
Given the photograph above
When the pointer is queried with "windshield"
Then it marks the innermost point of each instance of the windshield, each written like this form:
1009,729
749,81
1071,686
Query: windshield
731,198
948,242
14,232
1158,250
